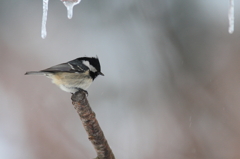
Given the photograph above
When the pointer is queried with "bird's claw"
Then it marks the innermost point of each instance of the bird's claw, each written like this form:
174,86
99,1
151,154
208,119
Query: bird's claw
82,90
86,92
79,95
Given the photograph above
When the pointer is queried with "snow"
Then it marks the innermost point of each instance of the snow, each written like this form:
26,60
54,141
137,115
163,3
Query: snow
70,5
44,19
231,16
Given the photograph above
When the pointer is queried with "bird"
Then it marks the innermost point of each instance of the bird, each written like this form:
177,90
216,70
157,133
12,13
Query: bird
72,76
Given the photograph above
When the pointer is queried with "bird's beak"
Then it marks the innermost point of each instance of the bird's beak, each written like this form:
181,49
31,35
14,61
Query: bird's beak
100,73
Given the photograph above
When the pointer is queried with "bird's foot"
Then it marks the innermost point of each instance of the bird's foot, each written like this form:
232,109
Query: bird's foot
82,90
79,95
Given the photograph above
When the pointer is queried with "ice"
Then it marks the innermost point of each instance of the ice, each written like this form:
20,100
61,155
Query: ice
231,16
70,4
44,19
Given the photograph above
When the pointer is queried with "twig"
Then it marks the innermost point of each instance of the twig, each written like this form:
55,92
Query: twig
90,123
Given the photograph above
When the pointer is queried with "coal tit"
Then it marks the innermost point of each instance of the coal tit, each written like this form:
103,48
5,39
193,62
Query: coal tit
74,75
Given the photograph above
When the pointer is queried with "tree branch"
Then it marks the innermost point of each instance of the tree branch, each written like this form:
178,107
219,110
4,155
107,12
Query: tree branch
90,123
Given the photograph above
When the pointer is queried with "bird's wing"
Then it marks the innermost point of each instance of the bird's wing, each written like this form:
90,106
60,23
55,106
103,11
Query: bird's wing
67,67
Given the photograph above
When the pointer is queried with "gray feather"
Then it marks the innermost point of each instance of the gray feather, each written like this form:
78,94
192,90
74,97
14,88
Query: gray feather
58,68
36,73
67,67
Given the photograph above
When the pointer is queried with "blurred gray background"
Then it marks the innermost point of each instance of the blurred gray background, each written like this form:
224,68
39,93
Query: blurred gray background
171,88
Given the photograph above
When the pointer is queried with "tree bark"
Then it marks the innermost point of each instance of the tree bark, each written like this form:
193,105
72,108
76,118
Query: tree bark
90,123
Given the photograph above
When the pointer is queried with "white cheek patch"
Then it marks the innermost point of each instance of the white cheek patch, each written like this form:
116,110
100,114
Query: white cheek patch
86,63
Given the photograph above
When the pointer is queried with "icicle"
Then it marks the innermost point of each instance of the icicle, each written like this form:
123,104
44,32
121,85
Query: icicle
231,16
44,19
70,4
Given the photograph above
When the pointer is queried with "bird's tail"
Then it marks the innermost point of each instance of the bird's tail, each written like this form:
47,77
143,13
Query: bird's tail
35,73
